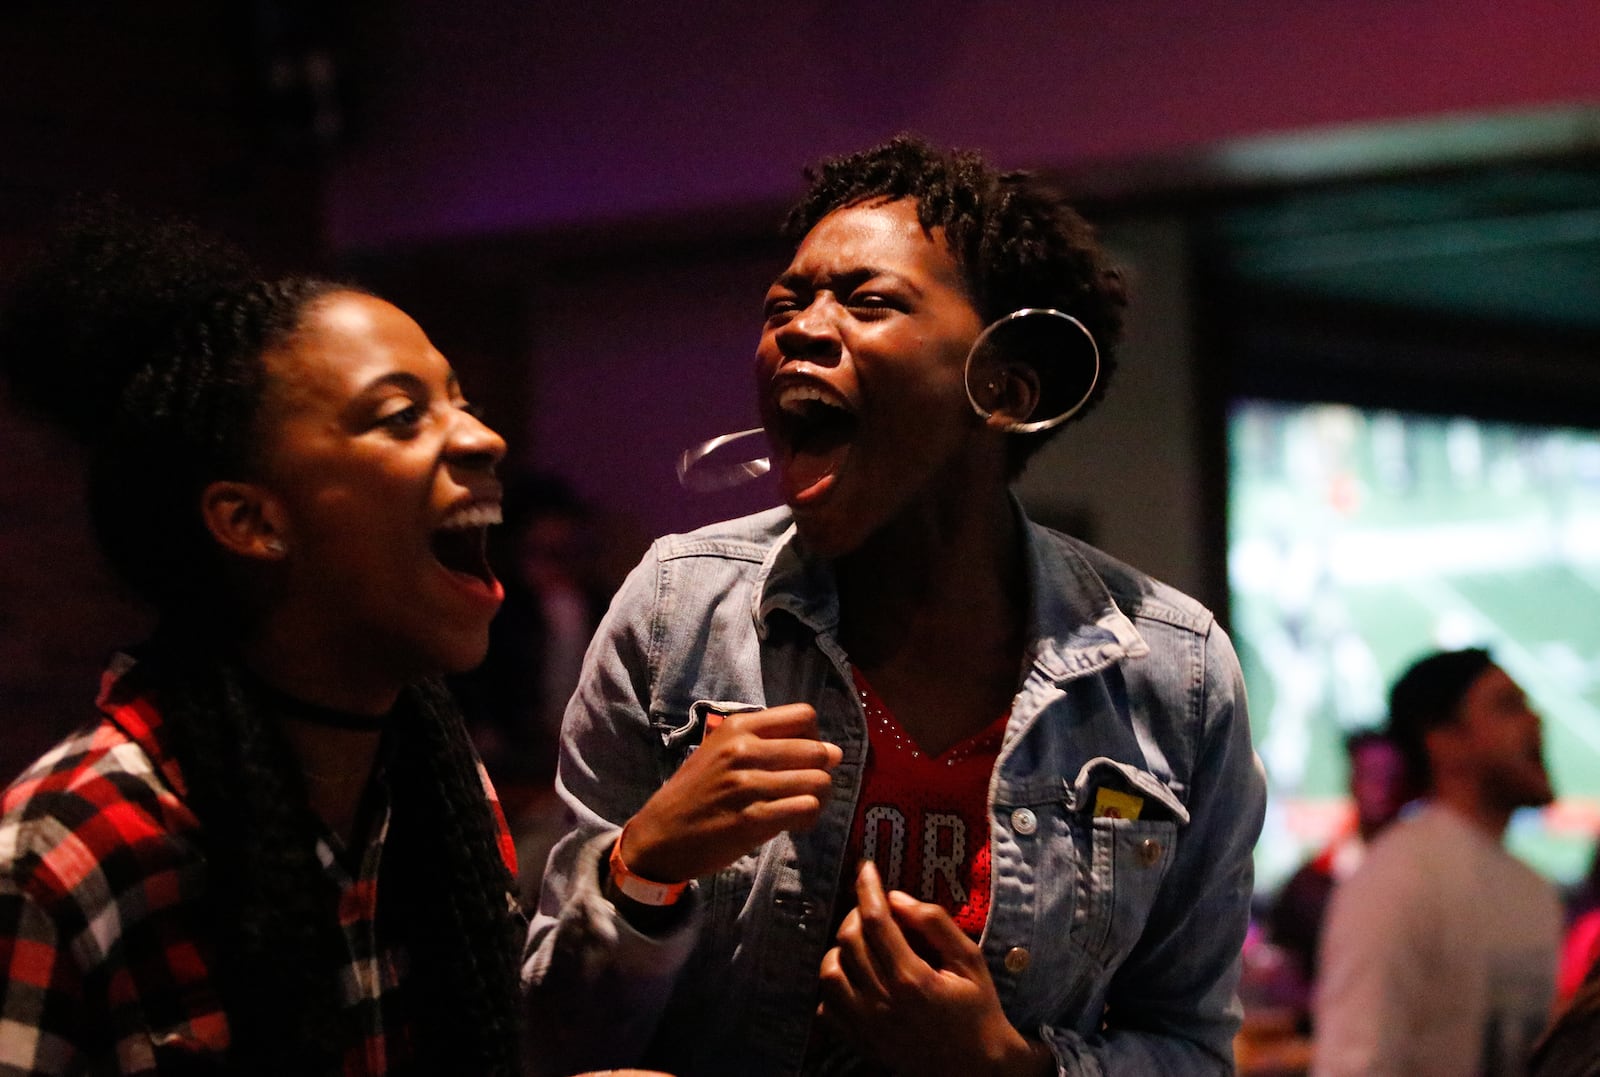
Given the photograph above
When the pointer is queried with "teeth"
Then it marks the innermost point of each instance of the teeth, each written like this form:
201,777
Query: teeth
793,398
480,515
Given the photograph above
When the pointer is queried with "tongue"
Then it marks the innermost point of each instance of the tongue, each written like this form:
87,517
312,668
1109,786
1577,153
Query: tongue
808,472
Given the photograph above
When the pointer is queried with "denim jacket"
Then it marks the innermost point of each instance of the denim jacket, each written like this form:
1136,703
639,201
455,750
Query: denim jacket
1114,940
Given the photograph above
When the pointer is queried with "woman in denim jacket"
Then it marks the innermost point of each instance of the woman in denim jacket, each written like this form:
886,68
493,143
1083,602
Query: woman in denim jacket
892,779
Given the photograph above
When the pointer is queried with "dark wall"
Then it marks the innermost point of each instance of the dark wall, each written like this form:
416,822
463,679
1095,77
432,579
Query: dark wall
162,102
497,115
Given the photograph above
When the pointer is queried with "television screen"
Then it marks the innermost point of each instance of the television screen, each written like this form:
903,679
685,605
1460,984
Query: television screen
1360,539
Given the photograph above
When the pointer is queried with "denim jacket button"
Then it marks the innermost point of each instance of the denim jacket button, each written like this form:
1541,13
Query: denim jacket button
1149,852
1023,821
1017,959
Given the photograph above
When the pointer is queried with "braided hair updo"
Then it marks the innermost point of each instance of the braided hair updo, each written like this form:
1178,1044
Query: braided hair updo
144,342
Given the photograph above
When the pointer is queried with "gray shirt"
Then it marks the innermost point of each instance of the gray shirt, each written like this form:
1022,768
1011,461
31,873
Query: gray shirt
1439,956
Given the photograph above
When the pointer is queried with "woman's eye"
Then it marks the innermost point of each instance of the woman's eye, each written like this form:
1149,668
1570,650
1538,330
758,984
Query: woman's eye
871,301
403,418
781,306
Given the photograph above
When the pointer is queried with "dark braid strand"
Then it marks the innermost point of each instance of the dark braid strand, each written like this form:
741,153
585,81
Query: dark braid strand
462,935
277,935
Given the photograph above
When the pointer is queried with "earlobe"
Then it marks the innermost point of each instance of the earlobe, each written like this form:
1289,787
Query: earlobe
245,520
1022,392
1031,370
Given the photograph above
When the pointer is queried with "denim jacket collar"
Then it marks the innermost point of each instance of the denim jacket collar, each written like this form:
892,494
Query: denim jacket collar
797,583
1075,626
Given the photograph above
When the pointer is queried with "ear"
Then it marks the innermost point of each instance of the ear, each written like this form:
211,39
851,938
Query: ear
1442,743
246,520
1010,394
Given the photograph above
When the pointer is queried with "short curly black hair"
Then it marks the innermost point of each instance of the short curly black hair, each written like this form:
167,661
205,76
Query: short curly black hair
1016,240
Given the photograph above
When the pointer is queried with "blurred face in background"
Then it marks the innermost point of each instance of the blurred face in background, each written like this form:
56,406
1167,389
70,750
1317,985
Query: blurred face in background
1497,742
1379,784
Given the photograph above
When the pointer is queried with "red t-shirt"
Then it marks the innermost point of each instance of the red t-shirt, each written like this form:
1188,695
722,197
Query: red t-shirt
924,820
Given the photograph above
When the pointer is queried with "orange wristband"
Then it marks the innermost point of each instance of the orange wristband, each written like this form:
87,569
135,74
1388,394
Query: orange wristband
638,888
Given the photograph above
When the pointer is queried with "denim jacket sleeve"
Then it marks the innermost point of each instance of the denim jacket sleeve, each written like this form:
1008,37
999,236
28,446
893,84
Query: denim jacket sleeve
595,984
1172,1006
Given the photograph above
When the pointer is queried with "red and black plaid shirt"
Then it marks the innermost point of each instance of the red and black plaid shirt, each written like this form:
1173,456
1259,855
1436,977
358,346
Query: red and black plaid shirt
101,883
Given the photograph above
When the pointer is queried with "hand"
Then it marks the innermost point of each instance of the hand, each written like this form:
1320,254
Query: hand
754,776
908,988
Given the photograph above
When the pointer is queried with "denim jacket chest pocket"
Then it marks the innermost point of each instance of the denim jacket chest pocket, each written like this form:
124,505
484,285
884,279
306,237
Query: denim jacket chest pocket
682,727
1125,824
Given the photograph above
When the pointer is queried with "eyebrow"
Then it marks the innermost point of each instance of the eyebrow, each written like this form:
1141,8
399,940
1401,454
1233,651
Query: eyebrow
857,275
407,380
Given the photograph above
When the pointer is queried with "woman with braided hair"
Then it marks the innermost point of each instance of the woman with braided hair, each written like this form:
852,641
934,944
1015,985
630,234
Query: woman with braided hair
273,850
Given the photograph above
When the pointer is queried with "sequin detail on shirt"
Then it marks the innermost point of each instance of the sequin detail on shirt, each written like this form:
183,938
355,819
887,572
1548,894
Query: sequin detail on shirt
924,820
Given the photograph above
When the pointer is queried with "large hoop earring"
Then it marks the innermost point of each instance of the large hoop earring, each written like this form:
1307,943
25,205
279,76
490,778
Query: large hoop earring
1045,322
720,478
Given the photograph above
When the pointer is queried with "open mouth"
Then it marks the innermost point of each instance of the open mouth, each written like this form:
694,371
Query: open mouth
817,428
461,543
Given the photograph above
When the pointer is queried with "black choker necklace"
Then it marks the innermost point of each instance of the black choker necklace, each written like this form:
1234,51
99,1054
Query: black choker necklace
281,704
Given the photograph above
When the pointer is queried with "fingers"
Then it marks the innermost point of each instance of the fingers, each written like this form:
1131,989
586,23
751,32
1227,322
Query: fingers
838,1007
755,775
885,942
788,720
855,959
750,752
929,929
779,738
750,789
766,818
873,958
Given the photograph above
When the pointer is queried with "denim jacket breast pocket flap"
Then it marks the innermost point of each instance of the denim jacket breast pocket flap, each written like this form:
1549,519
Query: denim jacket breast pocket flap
681,731
1156,799
1126,823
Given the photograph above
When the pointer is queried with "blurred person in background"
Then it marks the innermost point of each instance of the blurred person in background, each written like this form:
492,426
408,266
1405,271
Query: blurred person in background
272,850
1380,786
1439,954
1571,1047
1580,947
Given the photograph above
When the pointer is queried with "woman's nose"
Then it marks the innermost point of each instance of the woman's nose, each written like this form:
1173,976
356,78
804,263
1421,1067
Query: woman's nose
813,332
474,441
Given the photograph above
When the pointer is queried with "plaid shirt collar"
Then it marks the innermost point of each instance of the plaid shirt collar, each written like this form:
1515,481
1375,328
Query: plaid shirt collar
76,876
137,717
